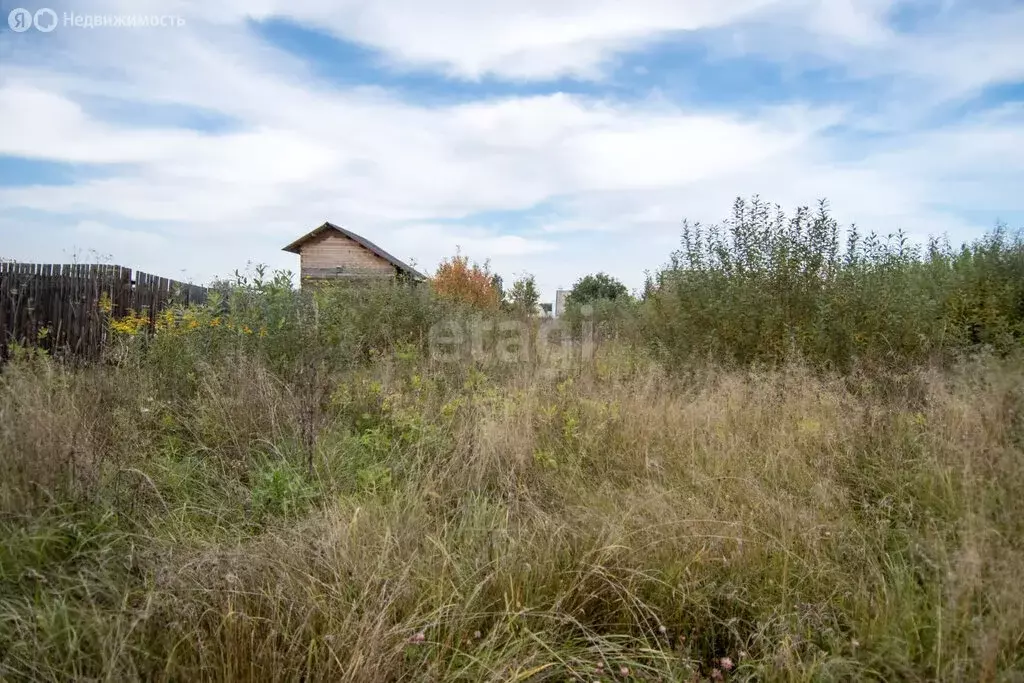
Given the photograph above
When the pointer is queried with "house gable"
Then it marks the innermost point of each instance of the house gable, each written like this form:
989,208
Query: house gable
331,254
330,251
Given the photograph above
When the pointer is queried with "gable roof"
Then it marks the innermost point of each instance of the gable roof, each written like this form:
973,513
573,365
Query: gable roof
296,246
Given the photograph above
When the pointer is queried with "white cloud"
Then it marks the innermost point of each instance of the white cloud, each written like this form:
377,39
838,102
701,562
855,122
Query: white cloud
381,157
433,242
958,55
513,38
106,241
42,124
618,176
545,39
531,39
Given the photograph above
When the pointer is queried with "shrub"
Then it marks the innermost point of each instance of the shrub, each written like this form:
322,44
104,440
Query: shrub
523,297
764,287
595,287
471,284
284,485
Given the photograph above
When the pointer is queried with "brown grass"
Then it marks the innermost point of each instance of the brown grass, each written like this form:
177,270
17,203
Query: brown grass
530,527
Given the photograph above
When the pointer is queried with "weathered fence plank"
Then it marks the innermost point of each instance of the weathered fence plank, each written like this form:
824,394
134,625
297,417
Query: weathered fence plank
57,306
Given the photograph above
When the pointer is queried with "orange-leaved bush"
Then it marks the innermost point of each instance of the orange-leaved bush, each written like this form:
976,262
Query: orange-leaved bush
460,281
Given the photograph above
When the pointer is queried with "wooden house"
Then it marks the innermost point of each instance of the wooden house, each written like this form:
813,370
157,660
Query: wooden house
330,252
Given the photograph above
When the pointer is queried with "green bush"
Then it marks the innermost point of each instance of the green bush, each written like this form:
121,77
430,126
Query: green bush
281,489
286,484
764,287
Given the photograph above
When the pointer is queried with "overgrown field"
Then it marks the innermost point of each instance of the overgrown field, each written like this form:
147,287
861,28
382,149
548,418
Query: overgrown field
297,487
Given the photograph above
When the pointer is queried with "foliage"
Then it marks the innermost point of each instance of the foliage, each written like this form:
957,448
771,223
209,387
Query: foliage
286,484
764,287
454,522
280,489
499,286
130,324
471,284
600,286
524,295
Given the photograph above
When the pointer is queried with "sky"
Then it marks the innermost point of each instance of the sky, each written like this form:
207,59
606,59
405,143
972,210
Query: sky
552,137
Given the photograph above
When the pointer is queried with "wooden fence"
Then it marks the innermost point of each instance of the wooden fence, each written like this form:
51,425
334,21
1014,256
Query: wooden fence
58,306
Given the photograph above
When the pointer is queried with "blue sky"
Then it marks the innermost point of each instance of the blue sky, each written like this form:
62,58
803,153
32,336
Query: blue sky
557,137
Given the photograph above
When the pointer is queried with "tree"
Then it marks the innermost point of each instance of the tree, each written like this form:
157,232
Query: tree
523,296
460,281
499,286
596,287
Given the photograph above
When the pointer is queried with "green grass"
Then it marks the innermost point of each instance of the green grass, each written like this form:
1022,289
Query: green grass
530,527
292,487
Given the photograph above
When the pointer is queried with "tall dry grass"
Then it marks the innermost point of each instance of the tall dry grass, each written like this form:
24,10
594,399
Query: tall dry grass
289,486
475,522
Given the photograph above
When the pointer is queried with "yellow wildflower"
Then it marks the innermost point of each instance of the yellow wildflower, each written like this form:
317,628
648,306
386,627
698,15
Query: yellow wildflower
166,320
131,324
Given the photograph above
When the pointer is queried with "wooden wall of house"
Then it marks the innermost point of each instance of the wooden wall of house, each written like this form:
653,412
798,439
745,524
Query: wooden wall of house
331,254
